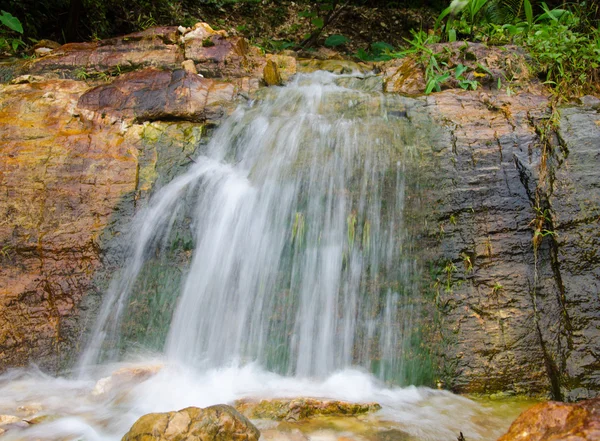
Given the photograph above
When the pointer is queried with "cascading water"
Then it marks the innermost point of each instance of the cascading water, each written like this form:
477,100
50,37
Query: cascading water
281,264
300,253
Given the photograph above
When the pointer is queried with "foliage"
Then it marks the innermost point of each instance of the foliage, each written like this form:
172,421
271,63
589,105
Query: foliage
563,42
335,40
378,51
8,42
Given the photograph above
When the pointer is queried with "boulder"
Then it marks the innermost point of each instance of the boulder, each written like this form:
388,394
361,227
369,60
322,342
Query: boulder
124,377
153,94
286,409
214,423
554,421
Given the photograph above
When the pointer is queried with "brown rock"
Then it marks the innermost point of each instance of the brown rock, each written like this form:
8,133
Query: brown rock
286,65
189,66
154,46
214,423
64,170
301,408
217,55
554,421
153,94
271,74
403,76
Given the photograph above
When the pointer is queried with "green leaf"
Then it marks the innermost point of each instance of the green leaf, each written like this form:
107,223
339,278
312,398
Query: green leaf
528,12
381,46
11,22
430,86
460,69
335,40
443,15
317,22
452,35
307,13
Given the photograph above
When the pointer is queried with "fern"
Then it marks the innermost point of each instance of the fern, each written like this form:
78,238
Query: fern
507,11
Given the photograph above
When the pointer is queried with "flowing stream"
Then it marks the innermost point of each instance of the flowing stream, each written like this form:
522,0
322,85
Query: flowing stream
283,263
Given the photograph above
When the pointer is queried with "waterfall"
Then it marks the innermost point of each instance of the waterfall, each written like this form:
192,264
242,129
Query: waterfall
300,256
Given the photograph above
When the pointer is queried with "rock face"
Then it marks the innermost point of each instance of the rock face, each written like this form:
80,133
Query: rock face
79,158
73,155
301,408
554,421
513,316
215,423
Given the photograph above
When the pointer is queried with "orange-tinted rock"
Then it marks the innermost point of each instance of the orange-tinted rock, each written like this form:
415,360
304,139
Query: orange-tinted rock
154,46
60,177
153,94
64,170
214,423
554,421
404,76
217,55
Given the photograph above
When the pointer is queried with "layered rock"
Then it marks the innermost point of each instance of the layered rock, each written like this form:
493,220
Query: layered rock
515,306
214,423
301,408
152,47
73,156
554,421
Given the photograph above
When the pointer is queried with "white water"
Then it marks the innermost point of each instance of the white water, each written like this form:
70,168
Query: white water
302,280
425,414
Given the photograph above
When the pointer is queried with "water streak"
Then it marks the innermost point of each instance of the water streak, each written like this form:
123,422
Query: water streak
297,217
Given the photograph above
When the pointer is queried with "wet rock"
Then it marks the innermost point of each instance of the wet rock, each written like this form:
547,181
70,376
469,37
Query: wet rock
123,378
301,408
215,423
403,76
154,46
481,178
153,94
555,421
271,74
70,182
516,318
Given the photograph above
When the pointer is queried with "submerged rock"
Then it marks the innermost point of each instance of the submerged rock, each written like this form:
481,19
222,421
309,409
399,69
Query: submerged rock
214,423
301,408
554,421
123,377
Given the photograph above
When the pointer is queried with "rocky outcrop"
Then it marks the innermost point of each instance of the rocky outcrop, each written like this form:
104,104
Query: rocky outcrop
76,162
214,423
152,94
554,421
152,47
512,241
81,156
301,408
